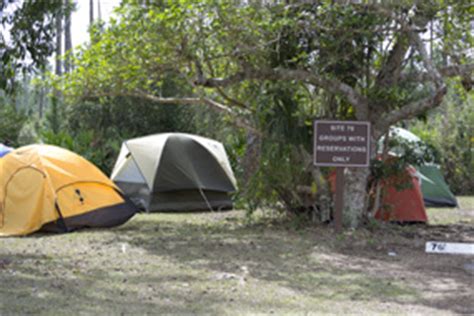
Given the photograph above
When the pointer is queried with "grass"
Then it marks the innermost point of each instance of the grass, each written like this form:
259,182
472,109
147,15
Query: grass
219,264
447,216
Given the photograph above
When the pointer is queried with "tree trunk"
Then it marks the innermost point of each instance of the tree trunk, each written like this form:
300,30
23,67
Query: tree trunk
54,120
355,191
324,194
59,33
40,103
91,12
99,13
378,185
431,39
41,96
67,35
355,188
252,156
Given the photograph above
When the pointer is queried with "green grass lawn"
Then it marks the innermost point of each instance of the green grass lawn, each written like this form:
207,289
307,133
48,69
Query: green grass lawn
218,263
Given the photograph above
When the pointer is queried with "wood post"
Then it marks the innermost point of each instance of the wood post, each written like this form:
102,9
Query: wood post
339,203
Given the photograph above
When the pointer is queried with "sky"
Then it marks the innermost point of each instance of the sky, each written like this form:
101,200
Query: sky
80,18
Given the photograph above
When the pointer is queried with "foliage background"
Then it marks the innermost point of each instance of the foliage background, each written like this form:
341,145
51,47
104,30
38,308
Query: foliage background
153,51
450,129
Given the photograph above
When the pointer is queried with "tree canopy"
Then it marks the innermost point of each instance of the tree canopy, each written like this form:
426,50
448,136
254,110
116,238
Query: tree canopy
26,37
369,55
378,62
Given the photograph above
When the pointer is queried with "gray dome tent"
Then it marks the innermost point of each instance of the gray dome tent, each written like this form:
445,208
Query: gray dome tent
175,172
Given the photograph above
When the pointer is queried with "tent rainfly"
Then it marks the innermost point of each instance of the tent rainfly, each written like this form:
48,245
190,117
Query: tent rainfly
403,205
434,188
402,200
175,172
48,188
436,192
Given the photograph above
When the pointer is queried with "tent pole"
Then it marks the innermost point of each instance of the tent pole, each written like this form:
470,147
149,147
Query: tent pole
206,200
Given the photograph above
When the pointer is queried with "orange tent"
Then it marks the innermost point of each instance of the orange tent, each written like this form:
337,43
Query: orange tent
399,204
403,205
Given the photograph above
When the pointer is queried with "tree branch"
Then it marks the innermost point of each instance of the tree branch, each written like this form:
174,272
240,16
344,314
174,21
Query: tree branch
232,100
359,102
412,109
390,71
237,120
464,71
433,73
332,85
220,82
415,108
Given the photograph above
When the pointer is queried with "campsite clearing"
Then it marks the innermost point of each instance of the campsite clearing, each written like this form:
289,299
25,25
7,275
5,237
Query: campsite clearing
219,263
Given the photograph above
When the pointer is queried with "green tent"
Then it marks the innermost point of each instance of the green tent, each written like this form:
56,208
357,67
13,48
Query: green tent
435,190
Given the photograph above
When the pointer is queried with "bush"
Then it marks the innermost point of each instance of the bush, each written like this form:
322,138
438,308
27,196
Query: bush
450,129
11,123
96,129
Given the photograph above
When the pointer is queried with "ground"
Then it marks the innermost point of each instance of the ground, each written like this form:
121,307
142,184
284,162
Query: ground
222,263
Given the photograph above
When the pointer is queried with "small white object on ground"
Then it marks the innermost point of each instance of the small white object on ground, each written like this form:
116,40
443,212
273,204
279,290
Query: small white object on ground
392,253
449,247
124,248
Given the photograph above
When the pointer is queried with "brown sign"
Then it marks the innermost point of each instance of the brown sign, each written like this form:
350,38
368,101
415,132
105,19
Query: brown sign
341,143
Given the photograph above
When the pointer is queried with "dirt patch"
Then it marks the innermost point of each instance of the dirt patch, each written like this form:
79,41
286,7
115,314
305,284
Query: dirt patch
398,254
218,263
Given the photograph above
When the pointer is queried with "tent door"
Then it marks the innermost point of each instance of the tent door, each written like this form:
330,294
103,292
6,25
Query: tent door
81,197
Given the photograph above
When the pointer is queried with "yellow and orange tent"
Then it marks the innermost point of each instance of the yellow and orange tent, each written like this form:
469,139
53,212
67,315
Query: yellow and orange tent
48,188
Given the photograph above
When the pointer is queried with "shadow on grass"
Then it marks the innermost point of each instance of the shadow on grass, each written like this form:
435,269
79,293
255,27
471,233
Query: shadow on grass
274,255
191,263
58,288
290,259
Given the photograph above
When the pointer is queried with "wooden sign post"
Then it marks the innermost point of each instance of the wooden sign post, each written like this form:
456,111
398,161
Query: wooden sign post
339,202
341,144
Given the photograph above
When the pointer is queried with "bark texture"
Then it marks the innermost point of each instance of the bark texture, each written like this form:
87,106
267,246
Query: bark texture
252,156
59,34
67,35
354,195
91,12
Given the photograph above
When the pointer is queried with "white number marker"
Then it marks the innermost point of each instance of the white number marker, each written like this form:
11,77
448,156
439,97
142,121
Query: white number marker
449,247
